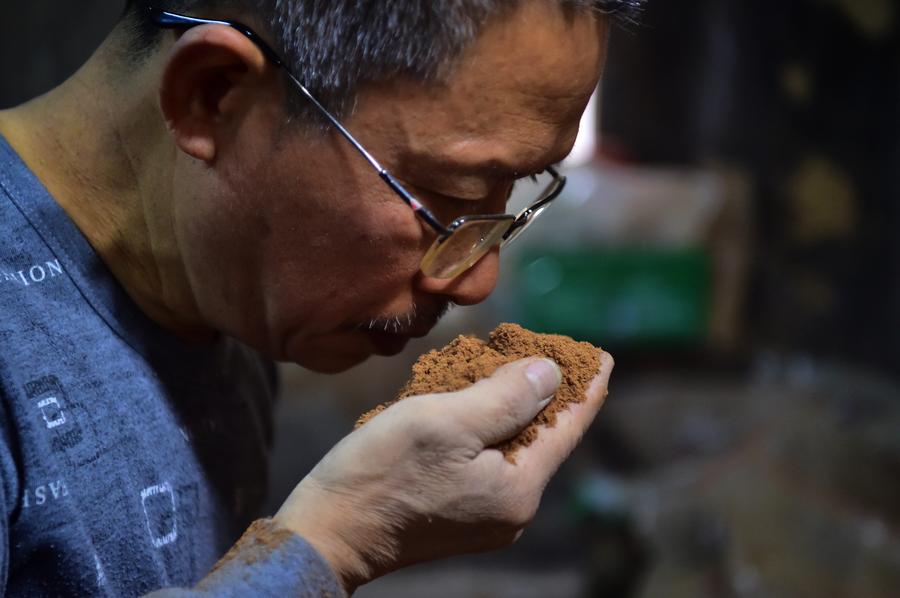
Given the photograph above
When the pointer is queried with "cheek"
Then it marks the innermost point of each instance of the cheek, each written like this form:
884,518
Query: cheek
390,237
329,269
356,245
216,232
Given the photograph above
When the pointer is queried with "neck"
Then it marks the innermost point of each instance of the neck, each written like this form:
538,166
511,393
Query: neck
99,145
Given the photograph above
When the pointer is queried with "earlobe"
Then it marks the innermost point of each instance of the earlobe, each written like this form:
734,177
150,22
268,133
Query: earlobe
202,83
190,128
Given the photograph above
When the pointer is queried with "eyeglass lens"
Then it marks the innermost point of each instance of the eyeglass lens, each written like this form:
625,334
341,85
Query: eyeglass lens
462,249
469,242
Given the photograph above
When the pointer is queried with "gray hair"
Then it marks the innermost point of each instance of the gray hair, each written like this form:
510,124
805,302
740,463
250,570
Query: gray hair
336,47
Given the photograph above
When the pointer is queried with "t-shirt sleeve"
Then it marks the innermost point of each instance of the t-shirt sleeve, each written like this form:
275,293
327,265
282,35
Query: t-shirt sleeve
268,560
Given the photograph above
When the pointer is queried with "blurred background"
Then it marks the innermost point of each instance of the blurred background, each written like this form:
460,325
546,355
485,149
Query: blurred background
728,233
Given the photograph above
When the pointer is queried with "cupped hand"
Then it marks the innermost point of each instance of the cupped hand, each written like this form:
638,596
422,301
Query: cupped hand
420,481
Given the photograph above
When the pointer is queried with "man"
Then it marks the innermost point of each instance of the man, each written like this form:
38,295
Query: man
284,174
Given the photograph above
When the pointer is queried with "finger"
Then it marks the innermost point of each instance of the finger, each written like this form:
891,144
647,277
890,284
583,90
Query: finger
553,445
499,407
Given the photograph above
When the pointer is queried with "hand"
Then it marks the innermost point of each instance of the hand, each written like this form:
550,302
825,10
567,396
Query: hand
419,481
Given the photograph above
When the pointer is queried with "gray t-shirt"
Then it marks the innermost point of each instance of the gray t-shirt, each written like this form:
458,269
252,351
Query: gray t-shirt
129,460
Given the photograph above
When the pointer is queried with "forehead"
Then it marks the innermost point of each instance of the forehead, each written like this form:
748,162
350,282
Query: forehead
514,98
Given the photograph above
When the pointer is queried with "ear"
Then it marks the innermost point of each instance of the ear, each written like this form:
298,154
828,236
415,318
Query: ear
211,77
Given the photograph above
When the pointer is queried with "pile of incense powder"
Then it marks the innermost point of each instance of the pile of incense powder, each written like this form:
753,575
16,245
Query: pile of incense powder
468,359
261,539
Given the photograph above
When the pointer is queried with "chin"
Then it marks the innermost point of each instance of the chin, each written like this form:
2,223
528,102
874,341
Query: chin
332,354
327,364
340,351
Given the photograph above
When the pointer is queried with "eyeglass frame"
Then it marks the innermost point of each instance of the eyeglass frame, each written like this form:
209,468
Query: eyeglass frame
169,20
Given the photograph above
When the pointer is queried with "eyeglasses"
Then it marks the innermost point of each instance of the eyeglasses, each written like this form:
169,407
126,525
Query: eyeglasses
458,246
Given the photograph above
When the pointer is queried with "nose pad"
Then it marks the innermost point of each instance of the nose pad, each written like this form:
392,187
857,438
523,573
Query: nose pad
469,288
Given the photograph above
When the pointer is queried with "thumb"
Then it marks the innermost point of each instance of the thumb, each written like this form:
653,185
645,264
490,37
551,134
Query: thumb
499,407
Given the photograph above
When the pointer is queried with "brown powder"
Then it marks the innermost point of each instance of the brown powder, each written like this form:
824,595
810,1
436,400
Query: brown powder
468,359
262,538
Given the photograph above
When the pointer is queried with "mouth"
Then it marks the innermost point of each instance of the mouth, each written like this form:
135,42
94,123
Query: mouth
390,342
391,334
387,343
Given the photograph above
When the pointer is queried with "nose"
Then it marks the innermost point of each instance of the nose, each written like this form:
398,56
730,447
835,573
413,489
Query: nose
469,288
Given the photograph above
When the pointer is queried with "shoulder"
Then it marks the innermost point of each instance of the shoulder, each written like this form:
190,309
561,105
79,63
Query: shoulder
26,261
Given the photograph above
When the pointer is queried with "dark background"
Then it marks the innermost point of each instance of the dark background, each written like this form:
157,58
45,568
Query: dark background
718,81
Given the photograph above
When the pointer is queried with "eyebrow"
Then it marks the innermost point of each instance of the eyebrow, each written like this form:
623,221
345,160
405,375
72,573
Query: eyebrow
496,170
493,169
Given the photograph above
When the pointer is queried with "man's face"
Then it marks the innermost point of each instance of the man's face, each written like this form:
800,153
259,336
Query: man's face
302,251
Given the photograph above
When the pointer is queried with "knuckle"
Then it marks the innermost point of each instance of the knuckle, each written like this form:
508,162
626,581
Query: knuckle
419,417
519,511
606,360
502,537
498,405
508,367
509,378
432,424
521,515
507,410
429,421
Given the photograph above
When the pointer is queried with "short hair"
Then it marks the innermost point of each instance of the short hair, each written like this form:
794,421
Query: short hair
335,47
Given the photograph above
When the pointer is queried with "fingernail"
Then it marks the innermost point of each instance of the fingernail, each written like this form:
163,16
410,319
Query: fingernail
545,376
544,403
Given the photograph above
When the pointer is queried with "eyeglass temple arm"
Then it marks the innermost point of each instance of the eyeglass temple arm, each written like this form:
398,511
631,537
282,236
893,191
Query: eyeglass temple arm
175,21
386,176
171,20
559,180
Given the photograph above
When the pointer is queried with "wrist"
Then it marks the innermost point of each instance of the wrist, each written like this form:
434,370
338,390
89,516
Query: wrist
346,564
323,527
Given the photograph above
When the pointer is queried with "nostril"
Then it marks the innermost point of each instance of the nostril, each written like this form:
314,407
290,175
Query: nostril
476,284
468,288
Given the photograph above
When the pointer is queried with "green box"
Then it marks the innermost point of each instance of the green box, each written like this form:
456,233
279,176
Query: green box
625,296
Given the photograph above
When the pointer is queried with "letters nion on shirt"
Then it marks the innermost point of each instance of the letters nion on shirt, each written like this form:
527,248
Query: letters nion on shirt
32,275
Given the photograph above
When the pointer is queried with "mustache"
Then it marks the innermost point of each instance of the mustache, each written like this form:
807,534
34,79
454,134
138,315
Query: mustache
416,319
